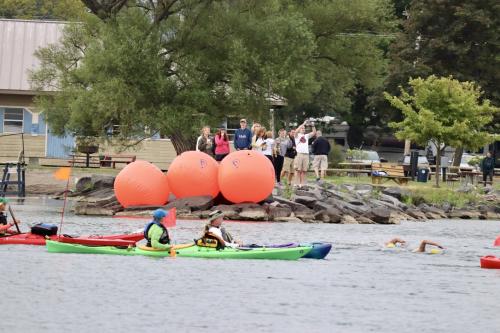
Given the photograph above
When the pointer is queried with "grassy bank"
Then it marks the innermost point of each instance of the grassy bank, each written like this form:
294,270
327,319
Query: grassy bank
425,192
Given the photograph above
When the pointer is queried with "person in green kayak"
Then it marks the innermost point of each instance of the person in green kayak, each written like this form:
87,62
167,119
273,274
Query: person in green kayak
398,242
156,233
215,231
4,225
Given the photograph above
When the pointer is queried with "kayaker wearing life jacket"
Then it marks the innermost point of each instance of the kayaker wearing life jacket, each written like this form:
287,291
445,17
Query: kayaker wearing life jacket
215,235
4,225
156,233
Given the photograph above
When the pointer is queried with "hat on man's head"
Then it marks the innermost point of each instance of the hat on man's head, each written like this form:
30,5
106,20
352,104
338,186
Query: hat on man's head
160,213
215,215
3,200
243,120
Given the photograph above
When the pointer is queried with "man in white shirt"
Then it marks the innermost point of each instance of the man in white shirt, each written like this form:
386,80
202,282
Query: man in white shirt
214,229
302,148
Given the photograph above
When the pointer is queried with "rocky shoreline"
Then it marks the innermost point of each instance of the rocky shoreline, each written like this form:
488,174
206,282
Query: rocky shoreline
314,203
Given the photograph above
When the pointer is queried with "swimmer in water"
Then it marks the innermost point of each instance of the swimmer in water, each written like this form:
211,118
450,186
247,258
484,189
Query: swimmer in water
397,242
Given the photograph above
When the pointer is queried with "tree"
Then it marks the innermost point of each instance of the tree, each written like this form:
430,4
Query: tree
444,111
42,9
171,66
457,37
171,69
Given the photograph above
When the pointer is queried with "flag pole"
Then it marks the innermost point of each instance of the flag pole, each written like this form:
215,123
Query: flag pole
64,203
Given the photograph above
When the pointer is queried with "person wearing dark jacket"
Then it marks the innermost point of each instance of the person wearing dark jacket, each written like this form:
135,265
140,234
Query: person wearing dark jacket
488,168
321,149
243,137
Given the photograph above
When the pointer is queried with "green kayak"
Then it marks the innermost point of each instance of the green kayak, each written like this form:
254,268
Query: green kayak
188,250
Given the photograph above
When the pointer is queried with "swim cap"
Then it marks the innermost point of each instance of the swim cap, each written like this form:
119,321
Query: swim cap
3,200
159,213
436,251
390,245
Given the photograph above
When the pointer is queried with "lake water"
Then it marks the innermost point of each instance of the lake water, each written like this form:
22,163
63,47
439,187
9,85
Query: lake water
358,288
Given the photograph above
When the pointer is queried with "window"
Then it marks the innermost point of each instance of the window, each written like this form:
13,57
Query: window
13,120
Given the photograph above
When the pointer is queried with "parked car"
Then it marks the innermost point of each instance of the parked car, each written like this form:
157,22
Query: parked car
368,157
466,158
422,162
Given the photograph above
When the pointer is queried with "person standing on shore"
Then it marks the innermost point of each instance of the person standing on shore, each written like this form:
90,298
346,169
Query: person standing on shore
281,144
221,144
268,151
204,143
302,159
291,152
255,131
321,149
243,137
260,140
488,168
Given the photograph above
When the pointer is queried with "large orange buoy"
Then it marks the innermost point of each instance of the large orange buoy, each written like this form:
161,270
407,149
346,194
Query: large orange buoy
193,173
246,176
141,183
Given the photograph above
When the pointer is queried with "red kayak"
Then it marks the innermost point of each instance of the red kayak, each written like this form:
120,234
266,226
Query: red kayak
108,240
497,241
490,262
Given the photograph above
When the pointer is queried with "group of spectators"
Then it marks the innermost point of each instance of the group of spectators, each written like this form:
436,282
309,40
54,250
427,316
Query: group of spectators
289,152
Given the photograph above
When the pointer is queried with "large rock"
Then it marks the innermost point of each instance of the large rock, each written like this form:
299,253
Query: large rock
278,211
434,211
464,214
253,214
381,215
364,220
103,181
304,213
287,202
306,201
348,219
416,214
192,203
334,215
288,219
84,184
230,211
395,192
88,209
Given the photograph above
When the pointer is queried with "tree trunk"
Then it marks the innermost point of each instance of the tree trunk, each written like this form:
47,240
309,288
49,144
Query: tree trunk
438,162
458,156
407,147
182,142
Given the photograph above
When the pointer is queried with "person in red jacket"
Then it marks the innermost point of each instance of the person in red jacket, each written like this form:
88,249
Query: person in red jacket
221,144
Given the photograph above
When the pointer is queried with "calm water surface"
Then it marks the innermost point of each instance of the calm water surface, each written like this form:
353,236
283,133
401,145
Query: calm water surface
358,288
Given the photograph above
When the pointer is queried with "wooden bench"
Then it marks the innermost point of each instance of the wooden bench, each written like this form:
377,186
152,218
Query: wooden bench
112,160
394,172
80,160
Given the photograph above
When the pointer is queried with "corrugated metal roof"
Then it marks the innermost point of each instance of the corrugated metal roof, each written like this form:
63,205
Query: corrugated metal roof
19,40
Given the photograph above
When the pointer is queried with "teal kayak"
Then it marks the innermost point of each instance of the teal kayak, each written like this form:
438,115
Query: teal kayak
187,250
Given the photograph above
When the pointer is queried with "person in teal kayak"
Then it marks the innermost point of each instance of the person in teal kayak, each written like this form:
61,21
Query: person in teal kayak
156,233
398,242
4,225
215,231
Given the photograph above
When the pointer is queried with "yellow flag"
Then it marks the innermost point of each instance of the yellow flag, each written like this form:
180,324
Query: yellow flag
63,173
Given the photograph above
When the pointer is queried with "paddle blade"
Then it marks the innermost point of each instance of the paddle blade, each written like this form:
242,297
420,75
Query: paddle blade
62,173
169,221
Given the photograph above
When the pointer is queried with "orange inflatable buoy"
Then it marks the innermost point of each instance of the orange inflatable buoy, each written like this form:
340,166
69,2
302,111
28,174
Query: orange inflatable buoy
193,173
141,183
246,176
